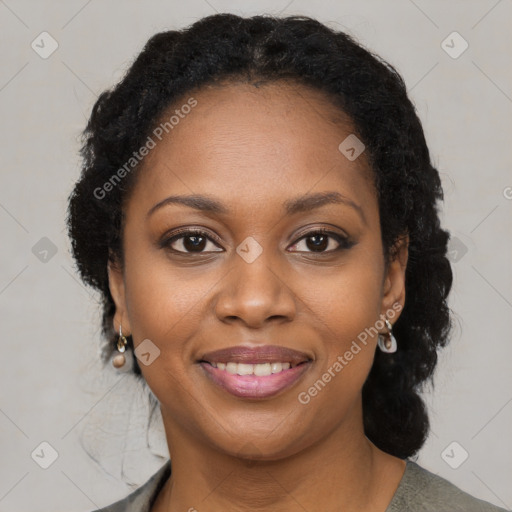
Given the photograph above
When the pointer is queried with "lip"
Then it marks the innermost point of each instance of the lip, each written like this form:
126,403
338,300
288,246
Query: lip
255,355
253,386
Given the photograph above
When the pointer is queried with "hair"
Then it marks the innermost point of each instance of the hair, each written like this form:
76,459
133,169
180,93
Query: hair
298,49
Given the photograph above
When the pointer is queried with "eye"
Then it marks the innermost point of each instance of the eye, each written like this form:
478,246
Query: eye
190,241
323,241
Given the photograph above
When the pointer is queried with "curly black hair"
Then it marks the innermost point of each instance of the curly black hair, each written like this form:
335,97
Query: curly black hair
227,48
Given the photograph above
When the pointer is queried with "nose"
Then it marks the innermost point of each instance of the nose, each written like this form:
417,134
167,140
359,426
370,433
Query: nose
255,293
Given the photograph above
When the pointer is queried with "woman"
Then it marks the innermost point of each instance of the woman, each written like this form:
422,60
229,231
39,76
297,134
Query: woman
258,209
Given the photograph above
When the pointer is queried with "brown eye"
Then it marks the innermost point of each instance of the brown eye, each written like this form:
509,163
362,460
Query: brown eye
322,241
191,241
318,242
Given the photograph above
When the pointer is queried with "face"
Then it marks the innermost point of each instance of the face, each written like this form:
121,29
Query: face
279,261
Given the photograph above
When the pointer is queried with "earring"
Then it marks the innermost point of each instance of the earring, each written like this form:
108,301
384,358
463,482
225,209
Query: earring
119,360
387,342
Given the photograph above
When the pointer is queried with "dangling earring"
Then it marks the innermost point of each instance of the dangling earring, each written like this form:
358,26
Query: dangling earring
119,360
387,342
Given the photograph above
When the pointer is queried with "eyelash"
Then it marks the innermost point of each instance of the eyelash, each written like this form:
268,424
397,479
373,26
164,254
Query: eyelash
344,242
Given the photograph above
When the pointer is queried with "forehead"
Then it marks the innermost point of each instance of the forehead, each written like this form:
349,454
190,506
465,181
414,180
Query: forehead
251,143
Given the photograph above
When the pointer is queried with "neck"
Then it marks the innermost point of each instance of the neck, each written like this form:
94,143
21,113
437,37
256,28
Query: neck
343,467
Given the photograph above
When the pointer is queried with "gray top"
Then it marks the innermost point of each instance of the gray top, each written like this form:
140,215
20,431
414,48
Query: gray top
419,490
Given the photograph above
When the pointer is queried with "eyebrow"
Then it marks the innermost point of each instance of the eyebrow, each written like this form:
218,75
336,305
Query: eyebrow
292,206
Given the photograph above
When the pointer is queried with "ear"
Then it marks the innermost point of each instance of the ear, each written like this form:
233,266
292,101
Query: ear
393,288
117,290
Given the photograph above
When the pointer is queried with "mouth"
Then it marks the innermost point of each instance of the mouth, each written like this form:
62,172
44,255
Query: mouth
255,372
259,369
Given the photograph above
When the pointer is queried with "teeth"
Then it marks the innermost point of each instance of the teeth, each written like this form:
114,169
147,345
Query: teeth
232,368
260,370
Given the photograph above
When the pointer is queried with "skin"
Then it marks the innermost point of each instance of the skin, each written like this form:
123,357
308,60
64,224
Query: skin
253,148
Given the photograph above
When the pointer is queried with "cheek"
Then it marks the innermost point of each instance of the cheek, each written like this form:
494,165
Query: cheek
163,304
165,308
345,358
348,300
347,312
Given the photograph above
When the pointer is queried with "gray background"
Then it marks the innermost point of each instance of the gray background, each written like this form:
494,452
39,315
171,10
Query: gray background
52,389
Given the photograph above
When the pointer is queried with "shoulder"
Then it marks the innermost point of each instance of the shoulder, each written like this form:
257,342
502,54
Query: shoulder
143,497
423,491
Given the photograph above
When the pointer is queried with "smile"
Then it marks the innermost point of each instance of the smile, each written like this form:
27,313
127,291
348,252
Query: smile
256,381
261,369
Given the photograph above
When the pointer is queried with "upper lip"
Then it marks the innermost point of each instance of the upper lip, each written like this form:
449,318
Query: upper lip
254,355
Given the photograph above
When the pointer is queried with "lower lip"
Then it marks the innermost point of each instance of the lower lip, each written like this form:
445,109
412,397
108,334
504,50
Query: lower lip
253,386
